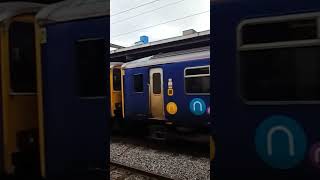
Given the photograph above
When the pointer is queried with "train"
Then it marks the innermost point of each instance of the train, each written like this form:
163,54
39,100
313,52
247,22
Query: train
167,89
266,88
53,98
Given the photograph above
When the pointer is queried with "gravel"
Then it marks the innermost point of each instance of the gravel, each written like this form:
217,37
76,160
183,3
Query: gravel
121,174
171,164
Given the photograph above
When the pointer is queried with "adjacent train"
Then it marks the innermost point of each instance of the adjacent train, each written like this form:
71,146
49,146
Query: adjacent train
170,89
54,84
53,95
266,88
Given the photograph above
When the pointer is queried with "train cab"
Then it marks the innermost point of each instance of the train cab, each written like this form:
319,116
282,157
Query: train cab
115,90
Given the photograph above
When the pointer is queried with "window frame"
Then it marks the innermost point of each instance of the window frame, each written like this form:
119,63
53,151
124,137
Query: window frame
190,76
134,89
240,47
78,80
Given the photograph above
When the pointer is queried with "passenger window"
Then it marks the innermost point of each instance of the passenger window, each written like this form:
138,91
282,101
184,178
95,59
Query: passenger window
116,79
22,58
91,59
138,82
277,73
197,80
156,79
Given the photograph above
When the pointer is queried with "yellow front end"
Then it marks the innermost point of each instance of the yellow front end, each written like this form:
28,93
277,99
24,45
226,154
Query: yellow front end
20,109
115,91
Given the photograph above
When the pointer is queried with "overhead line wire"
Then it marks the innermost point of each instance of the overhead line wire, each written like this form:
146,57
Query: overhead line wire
148,27
151,2
146,12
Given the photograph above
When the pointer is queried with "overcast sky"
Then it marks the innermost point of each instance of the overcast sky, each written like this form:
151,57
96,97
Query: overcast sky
157,12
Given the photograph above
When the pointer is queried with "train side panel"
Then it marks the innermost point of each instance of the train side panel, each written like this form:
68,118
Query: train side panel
184,115
73,124
243,123
137,105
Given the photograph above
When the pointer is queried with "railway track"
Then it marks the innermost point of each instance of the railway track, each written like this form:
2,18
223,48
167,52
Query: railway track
156,160
180,147
124,172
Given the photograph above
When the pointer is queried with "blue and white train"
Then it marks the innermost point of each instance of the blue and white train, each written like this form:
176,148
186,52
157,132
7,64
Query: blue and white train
171,89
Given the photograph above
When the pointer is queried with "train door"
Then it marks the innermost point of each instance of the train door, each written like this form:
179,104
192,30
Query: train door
19,98
156,93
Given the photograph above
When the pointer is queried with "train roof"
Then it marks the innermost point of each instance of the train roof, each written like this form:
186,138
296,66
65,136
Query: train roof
11,9
172,57
73,10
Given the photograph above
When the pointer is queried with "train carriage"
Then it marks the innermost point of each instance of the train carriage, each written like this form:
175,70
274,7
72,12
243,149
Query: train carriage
267,90
53,89
72,69
19,142
171,88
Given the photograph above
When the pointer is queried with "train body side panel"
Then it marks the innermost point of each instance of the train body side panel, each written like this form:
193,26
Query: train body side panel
137,104
175,71
75,128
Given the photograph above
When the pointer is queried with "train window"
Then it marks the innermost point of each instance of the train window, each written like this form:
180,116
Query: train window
197,71
116,79
138,82
280,72
269,32
287,74
22,58
91,67
156,79
197,80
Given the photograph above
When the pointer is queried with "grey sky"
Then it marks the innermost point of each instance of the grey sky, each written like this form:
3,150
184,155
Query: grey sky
174,9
